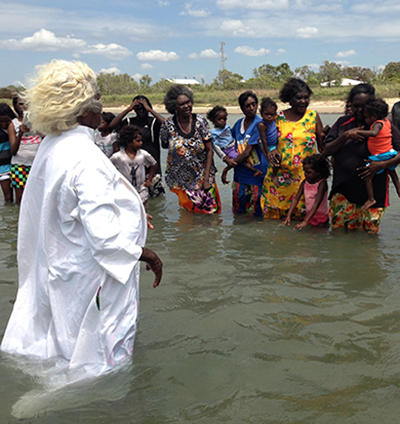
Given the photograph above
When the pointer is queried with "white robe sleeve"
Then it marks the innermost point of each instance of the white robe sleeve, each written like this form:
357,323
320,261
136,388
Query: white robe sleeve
112,215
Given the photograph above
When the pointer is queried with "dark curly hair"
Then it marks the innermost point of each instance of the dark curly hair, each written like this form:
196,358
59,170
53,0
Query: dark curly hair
173,93
127,134
6,110
267,102
244,96
212,114
107,117
363,88
376,107
319,163
291,88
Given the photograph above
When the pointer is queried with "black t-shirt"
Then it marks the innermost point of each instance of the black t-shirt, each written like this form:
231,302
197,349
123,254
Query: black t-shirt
350,157
396,114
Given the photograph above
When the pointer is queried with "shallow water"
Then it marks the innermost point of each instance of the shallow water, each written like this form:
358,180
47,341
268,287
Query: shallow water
253,323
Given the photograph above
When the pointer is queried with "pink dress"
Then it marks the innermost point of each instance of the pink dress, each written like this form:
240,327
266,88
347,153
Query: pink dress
310,194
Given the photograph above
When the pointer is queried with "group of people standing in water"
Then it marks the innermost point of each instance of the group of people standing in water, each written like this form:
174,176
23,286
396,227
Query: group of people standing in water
268,152
83,226
282,160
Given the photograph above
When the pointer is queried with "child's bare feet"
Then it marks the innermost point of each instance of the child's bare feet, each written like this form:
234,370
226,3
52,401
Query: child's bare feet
257,173
368,204
274,179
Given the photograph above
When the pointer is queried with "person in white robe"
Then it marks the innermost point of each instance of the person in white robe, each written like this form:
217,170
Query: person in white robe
81,237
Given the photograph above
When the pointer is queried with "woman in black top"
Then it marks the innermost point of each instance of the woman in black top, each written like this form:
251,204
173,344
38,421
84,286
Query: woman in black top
350,152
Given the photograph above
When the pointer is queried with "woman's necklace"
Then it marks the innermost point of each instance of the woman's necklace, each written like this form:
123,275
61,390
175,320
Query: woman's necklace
189,126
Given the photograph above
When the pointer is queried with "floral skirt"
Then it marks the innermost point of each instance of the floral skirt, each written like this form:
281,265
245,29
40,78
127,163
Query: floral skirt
348,215
246,198
199,201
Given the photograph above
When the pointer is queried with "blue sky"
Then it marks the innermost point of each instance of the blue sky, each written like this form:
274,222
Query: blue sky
173,38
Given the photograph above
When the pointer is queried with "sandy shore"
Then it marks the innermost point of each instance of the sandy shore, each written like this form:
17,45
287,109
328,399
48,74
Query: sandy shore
331,106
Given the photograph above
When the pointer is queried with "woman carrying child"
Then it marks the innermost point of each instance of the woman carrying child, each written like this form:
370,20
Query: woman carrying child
315,190
348,192
247,185
223,143
132,161
269,135
299,133
379,143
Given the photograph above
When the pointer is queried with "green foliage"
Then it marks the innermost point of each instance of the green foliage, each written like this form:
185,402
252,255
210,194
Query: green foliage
330,71
391,72
6,92
144,83
272,76
358,73
117,84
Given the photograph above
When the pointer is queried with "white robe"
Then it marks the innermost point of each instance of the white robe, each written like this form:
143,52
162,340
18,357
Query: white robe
81,231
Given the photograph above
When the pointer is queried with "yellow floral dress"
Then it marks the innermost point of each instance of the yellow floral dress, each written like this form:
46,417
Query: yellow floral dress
296,140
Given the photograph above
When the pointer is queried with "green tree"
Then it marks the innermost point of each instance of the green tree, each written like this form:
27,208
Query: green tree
391,72
144,83
358,73
117,84
330,71
227,80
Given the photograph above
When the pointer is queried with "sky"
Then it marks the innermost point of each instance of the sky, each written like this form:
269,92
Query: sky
178,39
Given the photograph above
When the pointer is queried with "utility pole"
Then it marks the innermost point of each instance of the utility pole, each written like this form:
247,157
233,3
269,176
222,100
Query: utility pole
223,57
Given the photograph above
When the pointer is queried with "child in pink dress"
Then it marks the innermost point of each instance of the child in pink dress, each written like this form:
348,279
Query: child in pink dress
315,190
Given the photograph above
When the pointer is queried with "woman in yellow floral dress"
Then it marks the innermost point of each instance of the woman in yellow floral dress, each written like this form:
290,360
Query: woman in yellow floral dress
299,134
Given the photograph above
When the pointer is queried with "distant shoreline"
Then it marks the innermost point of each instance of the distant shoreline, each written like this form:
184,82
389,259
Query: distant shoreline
331,106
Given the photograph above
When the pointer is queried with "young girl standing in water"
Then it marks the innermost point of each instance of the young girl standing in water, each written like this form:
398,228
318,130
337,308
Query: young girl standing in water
223,143
132,161
315,190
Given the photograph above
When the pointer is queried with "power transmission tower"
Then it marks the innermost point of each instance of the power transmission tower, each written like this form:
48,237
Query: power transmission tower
223,57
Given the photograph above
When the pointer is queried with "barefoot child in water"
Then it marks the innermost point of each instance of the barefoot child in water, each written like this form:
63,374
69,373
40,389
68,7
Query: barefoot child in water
269,136
315,190
223,143
379,142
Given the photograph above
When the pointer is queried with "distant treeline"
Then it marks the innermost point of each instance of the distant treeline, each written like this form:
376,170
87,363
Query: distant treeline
266,81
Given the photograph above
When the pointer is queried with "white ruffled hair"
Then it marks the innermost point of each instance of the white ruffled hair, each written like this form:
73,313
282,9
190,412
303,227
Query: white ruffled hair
61,91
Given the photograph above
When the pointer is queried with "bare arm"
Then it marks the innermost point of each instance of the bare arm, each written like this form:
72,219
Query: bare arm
156,115
152,172
334,146
319,133
322,188
262,128
14,140
244,155
294,203
372,132
209,161
117,120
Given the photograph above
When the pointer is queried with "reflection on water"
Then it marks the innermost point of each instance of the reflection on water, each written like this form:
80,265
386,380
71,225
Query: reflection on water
253,323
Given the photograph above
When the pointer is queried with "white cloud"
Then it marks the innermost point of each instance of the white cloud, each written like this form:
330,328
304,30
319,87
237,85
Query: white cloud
282,51
113,70
157,55
137,76
313,66
250,51
147,66
163,3
254,4
306,32
111,51
205,54
43,40
346,54
342,62
232,25
196,13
